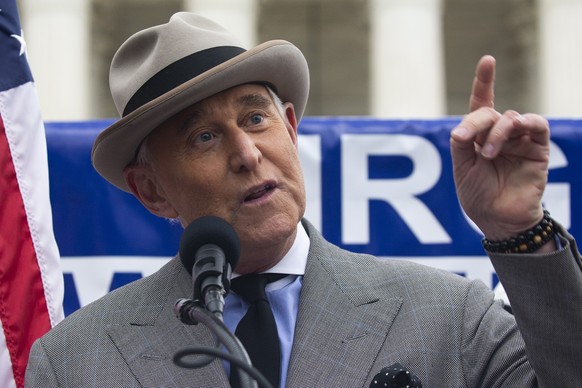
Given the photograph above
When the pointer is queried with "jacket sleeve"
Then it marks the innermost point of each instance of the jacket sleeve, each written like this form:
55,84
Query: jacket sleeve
545,292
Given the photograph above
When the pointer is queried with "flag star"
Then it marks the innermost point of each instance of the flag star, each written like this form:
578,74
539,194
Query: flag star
20,38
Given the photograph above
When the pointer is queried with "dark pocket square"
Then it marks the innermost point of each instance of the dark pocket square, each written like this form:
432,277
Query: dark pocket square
395,376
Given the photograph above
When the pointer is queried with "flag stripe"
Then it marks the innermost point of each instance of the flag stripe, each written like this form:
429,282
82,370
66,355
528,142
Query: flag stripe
6,374
30,278
21,291
31,282
23,308
20,111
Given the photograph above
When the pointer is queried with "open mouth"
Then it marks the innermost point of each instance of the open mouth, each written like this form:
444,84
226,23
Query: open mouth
260,192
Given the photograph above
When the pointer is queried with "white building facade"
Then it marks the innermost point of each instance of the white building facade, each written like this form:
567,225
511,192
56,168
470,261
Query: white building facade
384,58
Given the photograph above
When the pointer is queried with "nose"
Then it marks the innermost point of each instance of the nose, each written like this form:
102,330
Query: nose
244,155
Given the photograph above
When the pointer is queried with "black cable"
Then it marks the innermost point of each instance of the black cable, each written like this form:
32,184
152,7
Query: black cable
204,360
192,312
234,361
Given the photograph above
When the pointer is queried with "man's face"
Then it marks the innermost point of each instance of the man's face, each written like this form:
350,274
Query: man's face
234,155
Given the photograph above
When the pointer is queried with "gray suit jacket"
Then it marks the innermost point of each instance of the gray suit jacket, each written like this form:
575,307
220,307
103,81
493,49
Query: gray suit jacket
357,314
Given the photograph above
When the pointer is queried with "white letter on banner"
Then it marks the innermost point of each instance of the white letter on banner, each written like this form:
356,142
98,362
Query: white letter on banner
358,190
310,156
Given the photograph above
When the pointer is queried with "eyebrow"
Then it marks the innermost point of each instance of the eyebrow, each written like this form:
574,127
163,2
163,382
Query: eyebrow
254,100
193,117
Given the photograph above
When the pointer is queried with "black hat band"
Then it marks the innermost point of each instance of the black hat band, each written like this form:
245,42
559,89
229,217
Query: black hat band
180,72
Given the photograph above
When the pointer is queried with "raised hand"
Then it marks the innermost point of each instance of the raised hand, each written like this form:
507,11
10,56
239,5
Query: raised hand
500,161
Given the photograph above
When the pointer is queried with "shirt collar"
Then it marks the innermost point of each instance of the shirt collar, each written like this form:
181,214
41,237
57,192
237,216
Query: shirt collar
295,260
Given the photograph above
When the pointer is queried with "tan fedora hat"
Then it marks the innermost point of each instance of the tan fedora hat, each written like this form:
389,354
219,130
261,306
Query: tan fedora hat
162,70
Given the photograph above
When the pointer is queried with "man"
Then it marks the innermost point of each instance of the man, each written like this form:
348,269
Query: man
203,132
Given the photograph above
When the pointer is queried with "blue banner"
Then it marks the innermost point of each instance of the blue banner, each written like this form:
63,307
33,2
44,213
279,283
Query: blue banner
383,187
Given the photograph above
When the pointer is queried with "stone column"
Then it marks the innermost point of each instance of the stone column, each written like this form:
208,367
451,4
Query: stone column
237,16
560,56
57,36
407,73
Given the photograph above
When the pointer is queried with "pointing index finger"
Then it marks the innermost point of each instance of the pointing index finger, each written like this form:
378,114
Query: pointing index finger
482,93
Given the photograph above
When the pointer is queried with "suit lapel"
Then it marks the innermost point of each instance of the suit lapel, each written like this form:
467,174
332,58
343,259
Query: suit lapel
343,322
154,335
343,319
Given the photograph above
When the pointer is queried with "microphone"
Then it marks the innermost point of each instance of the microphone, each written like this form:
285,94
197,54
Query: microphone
209,250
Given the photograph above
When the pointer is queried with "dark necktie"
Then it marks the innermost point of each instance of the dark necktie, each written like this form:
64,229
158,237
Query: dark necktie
257,330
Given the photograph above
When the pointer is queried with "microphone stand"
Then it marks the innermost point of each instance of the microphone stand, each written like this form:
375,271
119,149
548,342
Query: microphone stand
209,248
192,312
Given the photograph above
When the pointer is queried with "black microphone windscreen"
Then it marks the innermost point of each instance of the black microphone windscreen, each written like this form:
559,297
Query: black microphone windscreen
209,230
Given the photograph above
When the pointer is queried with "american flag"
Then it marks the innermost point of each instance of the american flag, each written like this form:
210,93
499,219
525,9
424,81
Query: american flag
31,281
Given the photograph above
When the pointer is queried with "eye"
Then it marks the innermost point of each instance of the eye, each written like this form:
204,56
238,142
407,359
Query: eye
256,118
204,137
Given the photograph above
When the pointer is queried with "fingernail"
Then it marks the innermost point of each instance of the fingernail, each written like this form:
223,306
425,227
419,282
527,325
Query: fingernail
460,132
487,151
520,119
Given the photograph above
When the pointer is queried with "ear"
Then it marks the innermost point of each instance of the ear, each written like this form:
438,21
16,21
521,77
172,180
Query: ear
291,121
143,184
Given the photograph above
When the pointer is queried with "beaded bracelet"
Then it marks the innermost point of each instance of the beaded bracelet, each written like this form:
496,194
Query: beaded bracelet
527,242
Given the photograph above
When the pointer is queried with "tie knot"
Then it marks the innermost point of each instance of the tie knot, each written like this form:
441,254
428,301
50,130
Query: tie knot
252,287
